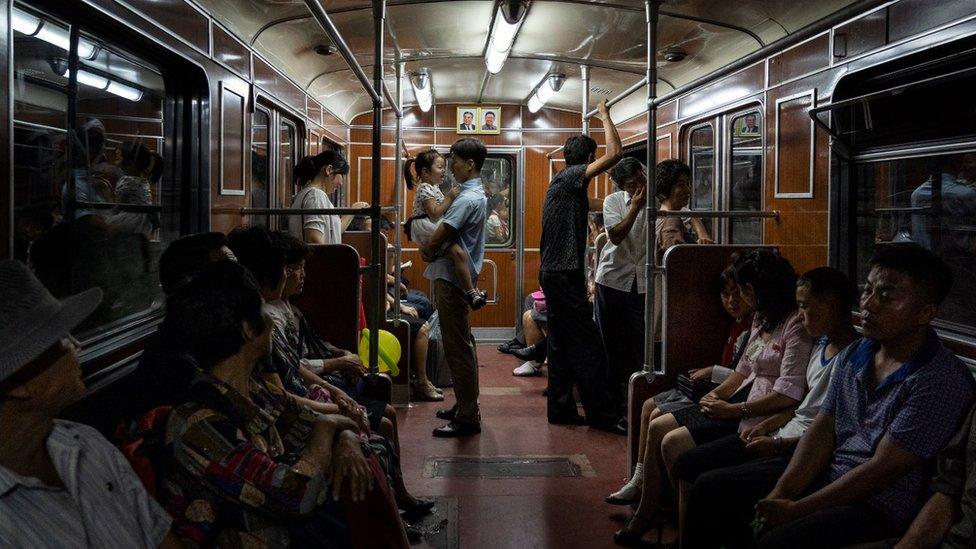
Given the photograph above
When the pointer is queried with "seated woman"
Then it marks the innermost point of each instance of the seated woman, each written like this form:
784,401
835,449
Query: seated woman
769,378
248,466
535,331
262,252
721,481
672,400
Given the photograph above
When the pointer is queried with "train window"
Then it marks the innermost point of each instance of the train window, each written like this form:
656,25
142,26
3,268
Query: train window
745,191
90,192
287,147
701,145
930,201
260,164
497,178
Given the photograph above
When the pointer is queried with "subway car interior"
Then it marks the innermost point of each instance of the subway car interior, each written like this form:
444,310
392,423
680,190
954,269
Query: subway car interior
411,273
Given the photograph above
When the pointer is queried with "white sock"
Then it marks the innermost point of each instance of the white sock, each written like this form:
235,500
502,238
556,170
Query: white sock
638,474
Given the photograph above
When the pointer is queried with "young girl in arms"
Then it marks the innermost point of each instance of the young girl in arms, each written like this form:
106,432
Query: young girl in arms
429,204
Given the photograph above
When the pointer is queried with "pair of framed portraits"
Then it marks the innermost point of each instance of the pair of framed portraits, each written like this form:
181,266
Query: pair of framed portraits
479,120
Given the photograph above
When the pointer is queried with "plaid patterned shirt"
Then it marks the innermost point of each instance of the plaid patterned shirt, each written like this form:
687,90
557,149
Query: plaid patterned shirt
918,407
235,474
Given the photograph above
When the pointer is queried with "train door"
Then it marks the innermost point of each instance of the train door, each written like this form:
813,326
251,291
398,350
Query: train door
276,145
742,174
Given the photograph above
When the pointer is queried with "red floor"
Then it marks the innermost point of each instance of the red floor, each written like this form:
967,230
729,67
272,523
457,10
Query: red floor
526,512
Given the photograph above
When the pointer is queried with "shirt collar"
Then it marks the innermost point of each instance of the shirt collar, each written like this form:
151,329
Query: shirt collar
471,184
862,356
64,447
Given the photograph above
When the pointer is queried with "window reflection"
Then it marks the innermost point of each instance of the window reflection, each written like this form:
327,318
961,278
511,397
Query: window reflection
930,201
745,190
88,192
702,156
497,179
260,164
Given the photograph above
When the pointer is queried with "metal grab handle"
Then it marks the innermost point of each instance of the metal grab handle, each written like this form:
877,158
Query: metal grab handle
722,214
297,211
137,208
494,279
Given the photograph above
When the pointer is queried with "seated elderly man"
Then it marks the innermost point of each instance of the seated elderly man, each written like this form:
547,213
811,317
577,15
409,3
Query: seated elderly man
859,472
61,483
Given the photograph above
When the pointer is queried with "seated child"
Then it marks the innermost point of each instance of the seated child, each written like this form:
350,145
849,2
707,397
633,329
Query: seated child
429,204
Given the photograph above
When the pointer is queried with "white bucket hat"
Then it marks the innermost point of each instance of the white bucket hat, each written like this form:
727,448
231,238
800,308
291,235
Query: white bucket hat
31,319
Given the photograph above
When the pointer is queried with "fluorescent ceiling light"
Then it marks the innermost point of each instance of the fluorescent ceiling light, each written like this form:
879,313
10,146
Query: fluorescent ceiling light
29,25
105,84
422,89
545,90
500,41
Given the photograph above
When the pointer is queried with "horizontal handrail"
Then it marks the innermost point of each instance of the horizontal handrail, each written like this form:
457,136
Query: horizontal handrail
138,208
919,209
623,95
297,211
320,15
720,214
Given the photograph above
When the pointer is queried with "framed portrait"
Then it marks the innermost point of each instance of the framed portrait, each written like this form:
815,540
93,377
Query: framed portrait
749,125
489,120
467,120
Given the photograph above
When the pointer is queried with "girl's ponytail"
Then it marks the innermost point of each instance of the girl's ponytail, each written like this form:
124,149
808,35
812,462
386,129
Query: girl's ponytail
408,174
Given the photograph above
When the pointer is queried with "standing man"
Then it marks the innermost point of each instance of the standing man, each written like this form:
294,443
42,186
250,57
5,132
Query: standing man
464,223
576,354
620,278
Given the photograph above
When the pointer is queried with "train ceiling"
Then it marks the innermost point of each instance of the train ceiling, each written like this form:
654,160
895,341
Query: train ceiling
449,38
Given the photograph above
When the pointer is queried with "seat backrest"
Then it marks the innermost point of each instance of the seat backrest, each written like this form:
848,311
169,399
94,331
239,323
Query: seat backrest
360,240
330,300
694,324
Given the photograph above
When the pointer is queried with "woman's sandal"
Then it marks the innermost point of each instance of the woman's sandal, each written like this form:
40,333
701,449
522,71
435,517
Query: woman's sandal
628,536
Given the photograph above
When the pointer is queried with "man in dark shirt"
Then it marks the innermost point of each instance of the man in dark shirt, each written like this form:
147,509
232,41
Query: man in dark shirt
949,516
858,473
576,353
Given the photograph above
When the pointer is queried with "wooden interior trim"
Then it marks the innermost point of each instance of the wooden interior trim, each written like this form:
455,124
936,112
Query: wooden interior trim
222,143
812,94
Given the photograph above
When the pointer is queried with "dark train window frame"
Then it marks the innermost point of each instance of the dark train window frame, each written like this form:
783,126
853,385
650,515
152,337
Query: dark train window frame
278,113
848,157
728,182
185,181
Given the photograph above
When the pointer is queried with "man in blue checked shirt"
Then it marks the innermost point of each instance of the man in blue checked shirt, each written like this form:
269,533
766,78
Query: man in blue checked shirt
859,472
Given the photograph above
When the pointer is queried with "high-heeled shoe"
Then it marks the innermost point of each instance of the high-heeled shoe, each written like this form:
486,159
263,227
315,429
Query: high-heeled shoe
631,536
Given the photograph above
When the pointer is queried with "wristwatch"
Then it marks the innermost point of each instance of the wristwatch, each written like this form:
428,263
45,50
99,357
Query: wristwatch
745,411
778,444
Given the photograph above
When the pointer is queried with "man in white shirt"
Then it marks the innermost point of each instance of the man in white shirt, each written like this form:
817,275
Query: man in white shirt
620,278
61,483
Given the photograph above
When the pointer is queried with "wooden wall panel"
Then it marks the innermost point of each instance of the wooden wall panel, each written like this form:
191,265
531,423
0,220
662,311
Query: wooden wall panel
231,52
278,86
909,17
802,59
793,128
180,17
232,143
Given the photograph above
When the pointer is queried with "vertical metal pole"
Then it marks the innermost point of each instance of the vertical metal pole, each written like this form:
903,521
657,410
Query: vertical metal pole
379,277
585,109
651,11
398,190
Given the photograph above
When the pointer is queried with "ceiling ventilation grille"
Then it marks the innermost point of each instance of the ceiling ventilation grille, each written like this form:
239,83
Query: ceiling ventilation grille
601,91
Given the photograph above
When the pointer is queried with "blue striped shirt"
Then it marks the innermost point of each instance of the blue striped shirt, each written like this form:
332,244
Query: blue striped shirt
918,407
103,503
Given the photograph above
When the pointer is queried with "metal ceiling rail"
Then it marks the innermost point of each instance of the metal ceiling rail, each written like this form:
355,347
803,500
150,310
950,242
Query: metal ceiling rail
610,102
393,104
651,8
324,21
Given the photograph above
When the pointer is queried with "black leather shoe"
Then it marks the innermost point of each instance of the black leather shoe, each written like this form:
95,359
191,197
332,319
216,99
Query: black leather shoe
618,427
536,352
447,414
571,420
510,346
455,429
414,534
419,508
